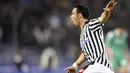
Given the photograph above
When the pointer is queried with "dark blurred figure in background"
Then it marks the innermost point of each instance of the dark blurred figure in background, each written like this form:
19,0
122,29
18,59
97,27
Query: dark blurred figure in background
49,59
18,60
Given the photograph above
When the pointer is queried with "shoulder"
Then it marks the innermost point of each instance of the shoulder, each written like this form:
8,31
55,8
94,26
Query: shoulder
110,34
93,20
94,24
97,20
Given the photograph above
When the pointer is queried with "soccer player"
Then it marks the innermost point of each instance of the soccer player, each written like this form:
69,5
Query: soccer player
116,43
91,39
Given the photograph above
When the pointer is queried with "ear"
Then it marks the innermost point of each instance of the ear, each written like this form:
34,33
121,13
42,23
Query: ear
79,15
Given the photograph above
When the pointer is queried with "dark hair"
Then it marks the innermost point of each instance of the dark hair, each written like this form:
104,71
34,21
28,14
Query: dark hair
84,10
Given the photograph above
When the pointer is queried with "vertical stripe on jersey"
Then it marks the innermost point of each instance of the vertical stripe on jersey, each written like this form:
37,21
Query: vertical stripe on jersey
98,42
86,46
95,42
91,50
105,62
90,54
92,43
101,42
89,45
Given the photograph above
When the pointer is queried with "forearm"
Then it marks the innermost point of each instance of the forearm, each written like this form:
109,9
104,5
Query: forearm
104,16
81,59
127,53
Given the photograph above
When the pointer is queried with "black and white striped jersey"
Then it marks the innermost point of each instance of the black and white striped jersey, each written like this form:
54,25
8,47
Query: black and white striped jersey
92,42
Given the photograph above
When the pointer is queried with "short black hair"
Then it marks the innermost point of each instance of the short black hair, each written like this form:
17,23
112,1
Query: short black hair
84,10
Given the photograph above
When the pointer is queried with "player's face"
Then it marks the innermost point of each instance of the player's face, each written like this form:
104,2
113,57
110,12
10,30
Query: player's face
74,17
121,31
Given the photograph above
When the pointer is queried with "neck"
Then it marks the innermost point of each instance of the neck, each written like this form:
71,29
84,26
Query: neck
82,23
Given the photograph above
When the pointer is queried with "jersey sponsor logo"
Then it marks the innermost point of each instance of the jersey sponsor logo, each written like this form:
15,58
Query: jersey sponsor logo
83,42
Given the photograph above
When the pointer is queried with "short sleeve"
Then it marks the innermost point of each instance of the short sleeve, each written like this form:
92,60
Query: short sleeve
94,24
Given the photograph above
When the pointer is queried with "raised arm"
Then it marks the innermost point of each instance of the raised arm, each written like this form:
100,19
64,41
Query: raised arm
107,10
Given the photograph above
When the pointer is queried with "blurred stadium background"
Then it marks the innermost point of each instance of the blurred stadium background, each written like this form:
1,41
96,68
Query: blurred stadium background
37,37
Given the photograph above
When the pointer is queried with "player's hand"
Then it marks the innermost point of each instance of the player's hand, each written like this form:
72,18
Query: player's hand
110,5
70,69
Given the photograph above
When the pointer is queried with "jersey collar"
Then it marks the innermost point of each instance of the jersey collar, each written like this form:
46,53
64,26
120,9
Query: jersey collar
85,23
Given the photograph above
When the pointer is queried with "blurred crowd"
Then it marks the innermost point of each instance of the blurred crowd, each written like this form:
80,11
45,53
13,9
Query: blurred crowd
37,32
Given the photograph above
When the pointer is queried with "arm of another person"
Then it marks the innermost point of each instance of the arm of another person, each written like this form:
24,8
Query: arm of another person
107,10
109,42
127,51
78,62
